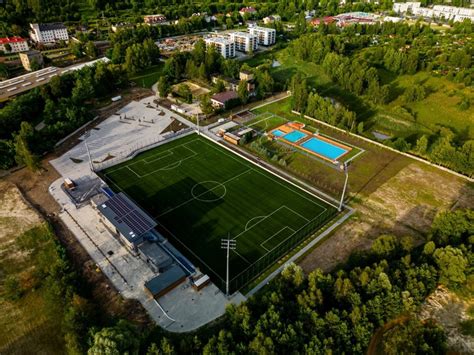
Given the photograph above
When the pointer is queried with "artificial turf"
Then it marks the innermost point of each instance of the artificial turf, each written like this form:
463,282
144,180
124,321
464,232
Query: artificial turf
199,193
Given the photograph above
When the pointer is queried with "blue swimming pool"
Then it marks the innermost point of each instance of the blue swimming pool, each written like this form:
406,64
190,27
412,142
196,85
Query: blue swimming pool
294,136
324,148
278,133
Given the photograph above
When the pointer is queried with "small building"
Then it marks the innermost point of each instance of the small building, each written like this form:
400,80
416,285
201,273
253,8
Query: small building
151,253
48,32
120,26
247,10
265,36
224,46
165,282
232,138
271,19
244,42
200,282
326,20
229,83
222,99
246,75
126,221
31,60
13,45
155,19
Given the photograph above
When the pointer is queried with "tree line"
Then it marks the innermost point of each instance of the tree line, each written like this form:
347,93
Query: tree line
32,123
336,312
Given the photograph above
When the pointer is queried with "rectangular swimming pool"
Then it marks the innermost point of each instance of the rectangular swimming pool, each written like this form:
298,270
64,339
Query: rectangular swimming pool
324,148
278,133
294,136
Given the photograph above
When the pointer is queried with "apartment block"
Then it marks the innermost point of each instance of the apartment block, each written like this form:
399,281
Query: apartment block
244,42
224,46
265,36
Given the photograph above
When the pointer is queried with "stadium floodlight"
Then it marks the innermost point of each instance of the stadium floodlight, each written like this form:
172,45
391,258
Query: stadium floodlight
228,244
343,167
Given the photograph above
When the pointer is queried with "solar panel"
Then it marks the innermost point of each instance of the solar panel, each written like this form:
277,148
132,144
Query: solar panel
127,212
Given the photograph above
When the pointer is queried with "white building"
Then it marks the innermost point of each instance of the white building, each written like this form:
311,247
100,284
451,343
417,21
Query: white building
224,46
13,45
244,42
265,36
437,12
48,32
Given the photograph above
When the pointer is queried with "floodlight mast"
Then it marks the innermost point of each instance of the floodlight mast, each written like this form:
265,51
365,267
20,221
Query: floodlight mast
346,171
229,244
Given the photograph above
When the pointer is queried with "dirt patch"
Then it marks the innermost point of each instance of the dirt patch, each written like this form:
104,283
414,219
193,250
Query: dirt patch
404,205
174,126
16,215
449,310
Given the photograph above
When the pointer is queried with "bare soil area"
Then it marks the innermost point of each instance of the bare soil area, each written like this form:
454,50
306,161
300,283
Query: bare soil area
450,310
404,205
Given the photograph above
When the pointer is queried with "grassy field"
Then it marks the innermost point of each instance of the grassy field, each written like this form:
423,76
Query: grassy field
199,193
148,77
28,324
438,109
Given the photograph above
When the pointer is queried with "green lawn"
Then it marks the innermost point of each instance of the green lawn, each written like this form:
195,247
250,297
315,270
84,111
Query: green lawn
199,193
438,109
148,77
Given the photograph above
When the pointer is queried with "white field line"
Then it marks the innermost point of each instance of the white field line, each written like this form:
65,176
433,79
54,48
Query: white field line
244,259
197,257
194,198
272,174
260,221
275,234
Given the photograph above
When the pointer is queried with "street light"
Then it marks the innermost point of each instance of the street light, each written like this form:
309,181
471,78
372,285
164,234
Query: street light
343,167
229,244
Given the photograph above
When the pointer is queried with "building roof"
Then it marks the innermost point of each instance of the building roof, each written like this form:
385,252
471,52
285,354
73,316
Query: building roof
225,96
156,254
50,26
13,39
164,280
243,34
131,221
248,9
221,40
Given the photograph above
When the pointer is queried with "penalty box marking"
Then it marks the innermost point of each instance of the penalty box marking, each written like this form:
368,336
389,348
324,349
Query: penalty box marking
266,240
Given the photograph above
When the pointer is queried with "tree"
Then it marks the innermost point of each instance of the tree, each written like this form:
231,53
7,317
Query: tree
91,50
243,92
220,86
422,145
119,339
23,149
185,93
205,104
452,265
164,87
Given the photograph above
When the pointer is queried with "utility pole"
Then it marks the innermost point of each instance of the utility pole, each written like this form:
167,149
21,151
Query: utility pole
86,135
229,244
343,167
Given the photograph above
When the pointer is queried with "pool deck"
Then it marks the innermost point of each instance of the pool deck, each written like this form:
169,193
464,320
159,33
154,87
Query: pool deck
289,127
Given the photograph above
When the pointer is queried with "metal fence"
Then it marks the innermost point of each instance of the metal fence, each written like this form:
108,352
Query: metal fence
247,275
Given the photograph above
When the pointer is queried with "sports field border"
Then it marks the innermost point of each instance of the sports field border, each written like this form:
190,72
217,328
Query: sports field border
276,253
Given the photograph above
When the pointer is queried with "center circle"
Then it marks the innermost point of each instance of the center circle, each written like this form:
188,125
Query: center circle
208,191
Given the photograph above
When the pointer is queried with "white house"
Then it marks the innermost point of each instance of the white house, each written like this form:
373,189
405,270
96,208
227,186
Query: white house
48,32
13,45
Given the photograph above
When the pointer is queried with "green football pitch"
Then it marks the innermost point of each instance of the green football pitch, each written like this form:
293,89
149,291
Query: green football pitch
198,192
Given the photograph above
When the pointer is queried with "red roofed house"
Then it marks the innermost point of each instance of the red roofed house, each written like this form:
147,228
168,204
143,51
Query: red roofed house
327,20
16,44
221,99
247,10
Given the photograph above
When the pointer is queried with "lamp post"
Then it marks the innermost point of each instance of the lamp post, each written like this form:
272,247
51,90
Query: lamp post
343,167
229,244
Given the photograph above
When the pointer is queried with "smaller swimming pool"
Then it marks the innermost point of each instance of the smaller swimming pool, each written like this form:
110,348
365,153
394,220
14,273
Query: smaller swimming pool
294,136
278,133
324,148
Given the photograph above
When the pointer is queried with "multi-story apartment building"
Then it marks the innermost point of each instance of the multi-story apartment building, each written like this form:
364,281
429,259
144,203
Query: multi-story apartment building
266,36
225,46
438,11
244,42
48,32
13,45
